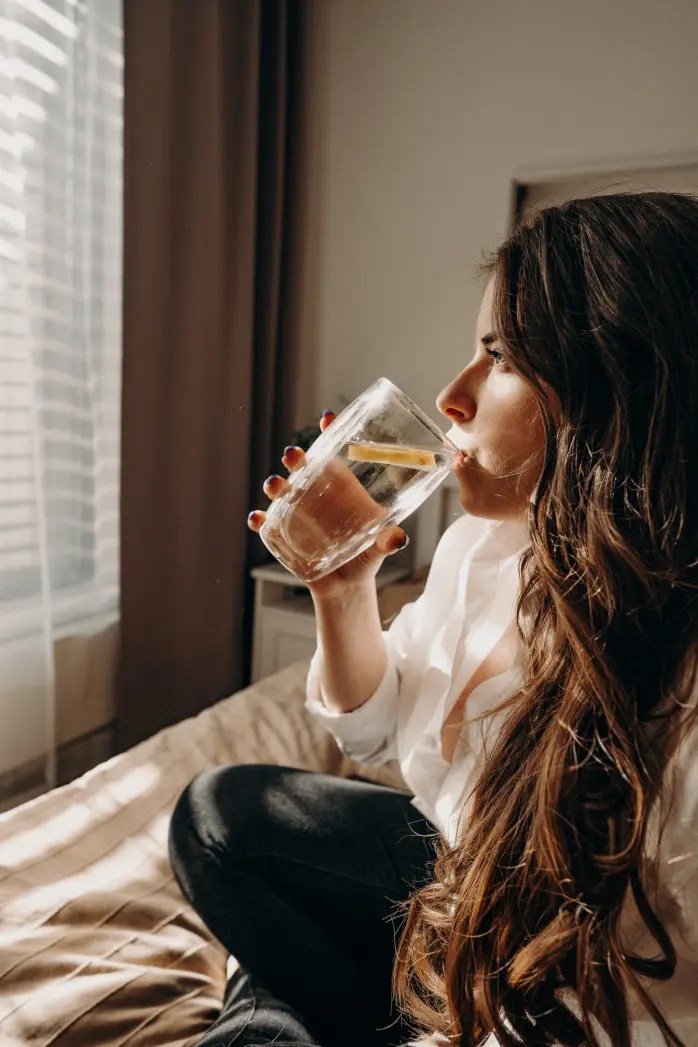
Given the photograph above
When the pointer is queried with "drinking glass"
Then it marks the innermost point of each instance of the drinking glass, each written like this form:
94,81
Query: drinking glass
372,467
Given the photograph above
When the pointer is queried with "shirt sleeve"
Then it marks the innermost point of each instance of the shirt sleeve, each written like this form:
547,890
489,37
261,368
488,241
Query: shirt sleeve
368,733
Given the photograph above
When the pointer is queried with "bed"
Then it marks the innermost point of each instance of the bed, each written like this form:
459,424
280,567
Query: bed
97,945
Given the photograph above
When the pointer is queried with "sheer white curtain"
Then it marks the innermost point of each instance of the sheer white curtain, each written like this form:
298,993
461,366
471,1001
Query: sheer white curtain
61,87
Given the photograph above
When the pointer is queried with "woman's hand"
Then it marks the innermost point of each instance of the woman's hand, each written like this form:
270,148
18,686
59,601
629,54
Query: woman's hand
363,567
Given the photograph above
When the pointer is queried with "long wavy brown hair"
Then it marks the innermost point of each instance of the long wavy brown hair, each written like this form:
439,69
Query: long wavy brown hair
598,298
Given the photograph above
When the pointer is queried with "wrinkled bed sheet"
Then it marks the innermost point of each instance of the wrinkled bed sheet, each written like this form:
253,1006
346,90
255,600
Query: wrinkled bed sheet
98,948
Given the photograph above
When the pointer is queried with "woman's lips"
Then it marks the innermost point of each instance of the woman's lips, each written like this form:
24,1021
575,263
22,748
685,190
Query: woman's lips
459,461
458,438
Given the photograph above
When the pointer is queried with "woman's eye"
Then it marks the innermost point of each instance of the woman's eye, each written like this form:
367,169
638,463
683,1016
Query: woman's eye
498,357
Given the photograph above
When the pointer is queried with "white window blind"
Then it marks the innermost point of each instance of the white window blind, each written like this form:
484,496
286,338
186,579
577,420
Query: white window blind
61,96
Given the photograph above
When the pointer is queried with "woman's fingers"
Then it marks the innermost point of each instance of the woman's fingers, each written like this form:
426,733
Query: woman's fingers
293,458
274,486
256,519
391,540
326,419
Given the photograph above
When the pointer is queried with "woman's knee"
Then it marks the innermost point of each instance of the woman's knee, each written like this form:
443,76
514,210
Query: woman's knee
221,814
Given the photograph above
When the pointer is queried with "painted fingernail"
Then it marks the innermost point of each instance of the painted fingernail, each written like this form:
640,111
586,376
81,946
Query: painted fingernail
287,450
274,476
326,414
404,543
253,516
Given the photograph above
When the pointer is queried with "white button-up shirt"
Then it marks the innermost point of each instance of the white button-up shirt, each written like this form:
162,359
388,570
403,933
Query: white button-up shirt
433,646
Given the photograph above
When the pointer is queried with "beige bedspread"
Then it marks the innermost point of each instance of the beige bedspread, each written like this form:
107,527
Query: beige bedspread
97,945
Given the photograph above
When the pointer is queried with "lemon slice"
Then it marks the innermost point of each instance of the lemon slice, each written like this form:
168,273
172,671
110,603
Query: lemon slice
392,454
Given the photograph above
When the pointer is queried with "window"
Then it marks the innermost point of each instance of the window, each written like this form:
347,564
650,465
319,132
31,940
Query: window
61,92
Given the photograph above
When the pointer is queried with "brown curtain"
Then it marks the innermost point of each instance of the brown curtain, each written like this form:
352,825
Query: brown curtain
213,169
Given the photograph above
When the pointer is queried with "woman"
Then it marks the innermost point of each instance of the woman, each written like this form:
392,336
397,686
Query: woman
539,883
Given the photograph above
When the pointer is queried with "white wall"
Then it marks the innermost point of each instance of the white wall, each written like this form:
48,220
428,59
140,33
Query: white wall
426,110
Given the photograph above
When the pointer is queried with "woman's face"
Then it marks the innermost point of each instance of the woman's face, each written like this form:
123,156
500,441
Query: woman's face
500,429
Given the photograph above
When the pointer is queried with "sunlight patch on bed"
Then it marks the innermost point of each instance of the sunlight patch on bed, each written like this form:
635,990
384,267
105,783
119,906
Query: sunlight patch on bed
72,821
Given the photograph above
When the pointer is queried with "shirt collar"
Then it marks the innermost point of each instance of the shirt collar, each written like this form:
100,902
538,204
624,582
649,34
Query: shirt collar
502,538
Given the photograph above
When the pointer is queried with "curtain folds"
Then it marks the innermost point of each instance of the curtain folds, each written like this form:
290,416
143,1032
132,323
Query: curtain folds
213,123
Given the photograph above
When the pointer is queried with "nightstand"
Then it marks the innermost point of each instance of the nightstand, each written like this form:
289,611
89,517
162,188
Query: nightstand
284,617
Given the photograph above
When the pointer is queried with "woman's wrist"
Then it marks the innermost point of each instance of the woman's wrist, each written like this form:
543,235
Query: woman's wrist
346,597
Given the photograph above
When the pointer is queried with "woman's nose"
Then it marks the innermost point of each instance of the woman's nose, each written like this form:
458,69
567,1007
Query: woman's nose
456,405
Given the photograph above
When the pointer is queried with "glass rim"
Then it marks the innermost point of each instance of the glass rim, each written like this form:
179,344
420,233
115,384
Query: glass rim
421,414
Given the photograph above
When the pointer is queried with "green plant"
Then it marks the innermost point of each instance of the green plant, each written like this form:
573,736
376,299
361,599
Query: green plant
306,436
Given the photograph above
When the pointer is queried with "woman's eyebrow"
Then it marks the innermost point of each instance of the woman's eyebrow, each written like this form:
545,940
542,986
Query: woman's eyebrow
488,339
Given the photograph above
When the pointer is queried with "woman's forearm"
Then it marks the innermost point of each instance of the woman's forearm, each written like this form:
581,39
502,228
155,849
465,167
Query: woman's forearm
353,659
